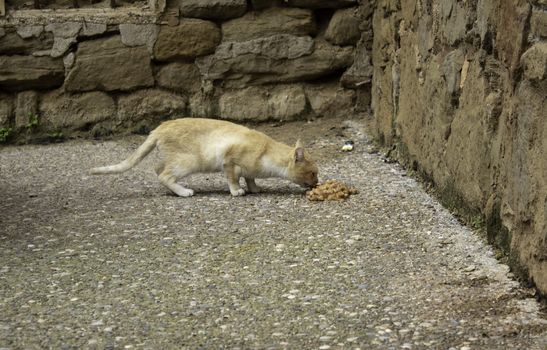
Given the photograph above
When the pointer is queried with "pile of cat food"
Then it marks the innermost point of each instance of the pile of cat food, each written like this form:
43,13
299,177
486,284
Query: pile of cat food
331,190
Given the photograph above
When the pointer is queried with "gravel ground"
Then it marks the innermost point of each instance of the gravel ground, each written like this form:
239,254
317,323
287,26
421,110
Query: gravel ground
117,262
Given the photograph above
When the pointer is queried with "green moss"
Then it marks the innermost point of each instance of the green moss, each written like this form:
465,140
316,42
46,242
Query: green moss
56,136
451,198
33,121
519,270
5,134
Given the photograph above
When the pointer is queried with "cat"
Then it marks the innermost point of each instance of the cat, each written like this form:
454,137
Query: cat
200,145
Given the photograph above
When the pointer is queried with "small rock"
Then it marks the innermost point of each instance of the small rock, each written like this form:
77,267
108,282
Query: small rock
470,268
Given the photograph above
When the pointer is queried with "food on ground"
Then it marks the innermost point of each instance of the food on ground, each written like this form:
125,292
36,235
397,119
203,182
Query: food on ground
331,190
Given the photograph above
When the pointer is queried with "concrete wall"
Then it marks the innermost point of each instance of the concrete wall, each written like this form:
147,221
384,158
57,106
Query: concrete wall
102,71
459,91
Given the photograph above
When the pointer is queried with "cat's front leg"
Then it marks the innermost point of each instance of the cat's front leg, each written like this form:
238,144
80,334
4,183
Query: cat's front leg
251,185
232,173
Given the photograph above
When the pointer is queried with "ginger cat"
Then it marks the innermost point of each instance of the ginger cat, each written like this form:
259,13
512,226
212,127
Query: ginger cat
198,145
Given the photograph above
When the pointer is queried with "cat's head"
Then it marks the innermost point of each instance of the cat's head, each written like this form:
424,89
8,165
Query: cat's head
302,169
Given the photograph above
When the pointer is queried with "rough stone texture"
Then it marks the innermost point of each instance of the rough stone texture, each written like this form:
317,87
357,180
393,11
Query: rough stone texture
538,24
343,28
27,72
128,67
282,102
321,4
205,102
511,32
61,46
190,39
59,111
65,29
448,94
123,264
279,58
213,9
6,110
273,42
139,35
13,44
534,63
68,61
90,29
158,6
453,20
204,105
179,76
26,105
26,32
360,72
277,20
523,198
330,100
150,105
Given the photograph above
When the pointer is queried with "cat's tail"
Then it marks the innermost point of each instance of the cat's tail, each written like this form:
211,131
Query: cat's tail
130,162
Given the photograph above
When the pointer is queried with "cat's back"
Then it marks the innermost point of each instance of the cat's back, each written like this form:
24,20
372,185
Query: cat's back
197,126
205,127
206,133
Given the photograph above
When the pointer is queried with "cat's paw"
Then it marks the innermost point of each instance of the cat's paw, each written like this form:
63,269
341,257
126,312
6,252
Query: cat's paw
253,190
238,192
185,192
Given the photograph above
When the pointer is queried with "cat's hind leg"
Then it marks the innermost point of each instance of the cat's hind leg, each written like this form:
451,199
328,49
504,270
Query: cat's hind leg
160,167
251,185
170,173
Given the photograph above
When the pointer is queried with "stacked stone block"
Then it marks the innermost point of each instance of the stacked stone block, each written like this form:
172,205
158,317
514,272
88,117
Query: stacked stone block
230,59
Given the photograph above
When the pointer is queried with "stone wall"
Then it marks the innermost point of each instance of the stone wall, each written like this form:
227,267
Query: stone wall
104,71
459,92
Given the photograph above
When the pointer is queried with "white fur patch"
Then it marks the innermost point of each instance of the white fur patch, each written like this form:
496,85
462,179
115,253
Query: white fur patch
179,172
215,150
270,169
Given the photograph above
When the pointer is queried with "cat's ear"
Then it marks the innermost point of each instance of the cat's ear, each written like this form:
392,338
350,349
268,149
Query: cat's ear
298,152
299,155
